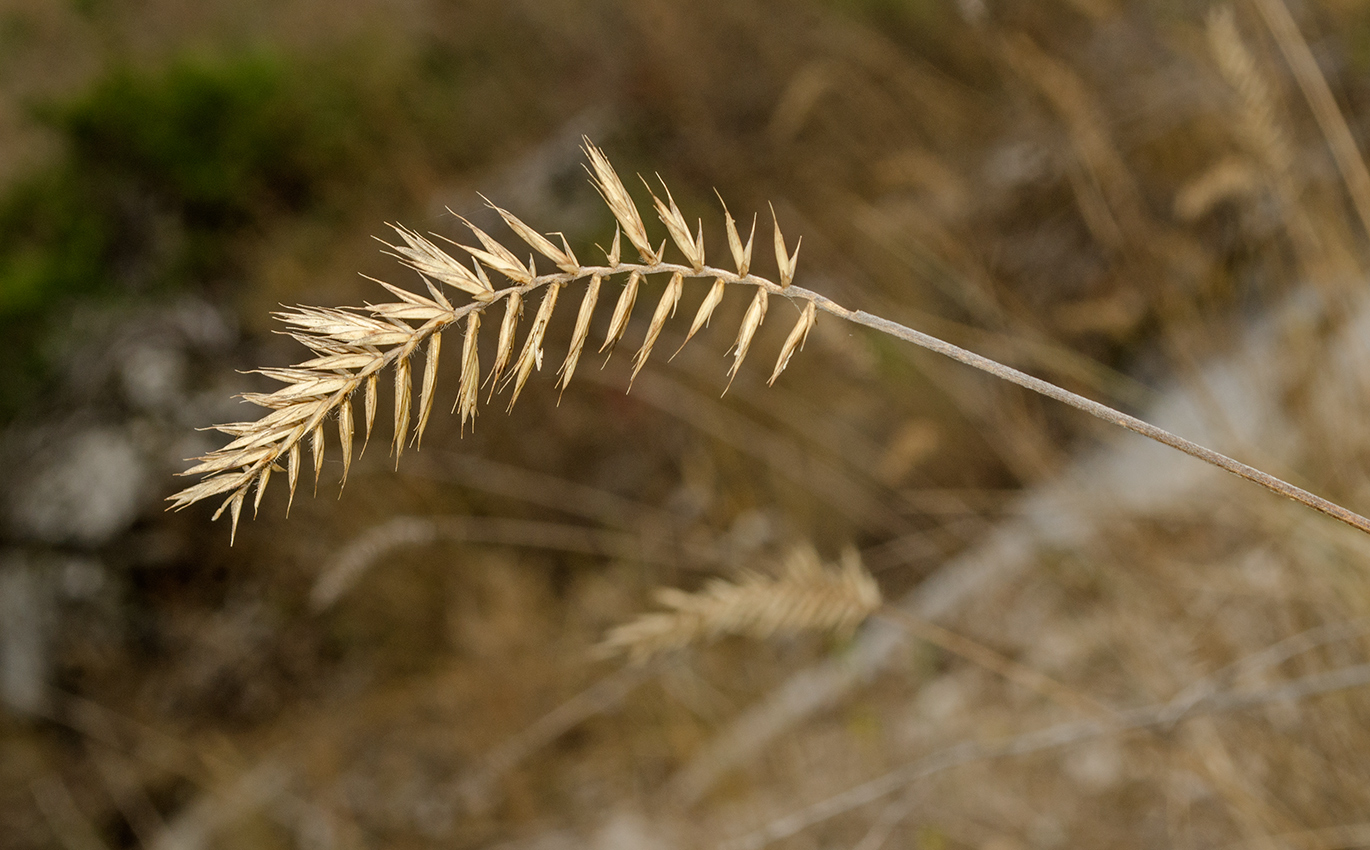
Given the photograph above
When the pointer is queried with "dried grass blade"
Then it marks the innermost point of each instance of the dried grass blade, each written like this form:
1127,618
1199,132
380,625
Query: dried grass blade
531,356
795,341
706,310
665,308
513,308
404,397
611,188
430,382
581,332
751,320
469,390
622,310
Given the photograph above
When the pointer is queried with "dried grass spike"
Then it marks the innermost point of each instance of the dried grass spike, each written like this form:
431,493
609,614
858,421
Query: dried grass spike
665,308
785,261
504,349
751,321
795,341
581,332
430,382
563,259
404,398
468,391
531,356
353,346
611,188
806,596
622,310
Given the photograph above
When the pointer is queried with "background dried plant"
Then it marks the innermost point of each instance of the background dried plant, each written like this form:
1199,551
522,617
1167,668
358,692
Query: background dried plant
1085,640
805,596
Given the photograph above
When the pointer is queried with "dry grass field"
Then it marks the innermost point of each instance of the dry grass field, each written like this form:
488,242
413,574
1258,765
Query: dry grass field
1087,640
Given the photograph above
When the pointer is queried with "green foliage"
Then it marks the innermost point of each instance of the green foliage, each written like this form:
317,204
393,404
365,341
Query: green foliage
161,170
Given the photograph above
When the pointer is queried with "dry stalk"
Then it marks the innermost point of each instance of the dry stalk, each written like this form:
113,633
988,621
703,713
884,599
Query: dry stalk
805,597
353,346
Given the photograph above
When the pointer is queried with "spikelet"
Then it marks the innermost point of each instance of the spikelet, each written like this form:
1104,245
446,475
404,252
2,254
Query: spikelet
504,349
497,257
691,246
261,490
785,261
751,321
292,472
665,308
531,356
622,310
316,448
430,382
428,259
404,398
468,392
582,331
805,597
706,310
620,203
795,341
345,435
742,257
563,257
371,393
614,254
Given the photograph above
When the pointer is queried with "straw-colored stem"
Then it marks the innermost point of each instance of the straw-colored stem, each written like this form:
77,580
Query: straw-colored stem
1101,411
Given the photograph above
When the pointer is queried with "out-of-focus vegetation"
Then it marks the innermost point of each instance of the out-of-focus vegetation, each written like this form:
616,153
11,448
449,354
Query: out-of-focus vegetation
1071,187
160,171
